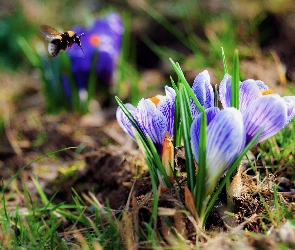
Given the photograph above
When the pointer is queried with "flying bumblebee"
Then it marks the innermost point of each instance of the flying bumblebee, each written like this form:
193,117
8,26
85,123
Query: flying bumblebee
60,40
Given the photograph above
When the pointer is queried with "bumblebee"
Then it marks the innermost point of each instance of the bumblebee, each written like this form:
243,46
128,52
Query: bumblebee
60,40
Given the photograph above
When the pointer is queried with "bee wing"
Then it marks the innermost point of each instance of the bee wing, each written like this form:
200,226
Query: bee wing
50,33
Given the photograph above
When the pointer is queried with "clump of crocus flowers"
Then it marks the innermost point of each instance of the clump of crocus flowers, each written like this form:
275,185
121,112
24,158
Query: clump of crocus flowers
228,131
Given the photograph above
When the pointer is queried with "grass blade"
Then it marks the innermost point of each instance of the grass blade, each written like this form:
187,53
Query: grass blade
235,91
201,175
224,61
182,79
186,122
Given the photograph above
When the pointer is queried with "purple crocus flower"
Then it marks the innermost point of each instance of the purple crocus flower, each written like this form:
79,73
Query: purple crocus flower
103,37
225,141
259,106
154,115
204,92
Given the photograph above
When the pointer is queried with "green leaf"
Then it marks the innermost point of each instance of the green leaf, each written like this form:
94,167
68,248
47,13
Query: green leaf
29,52
177,122
149,159
181,77
157,161
186,121
235,91
201,175
50,83
224,61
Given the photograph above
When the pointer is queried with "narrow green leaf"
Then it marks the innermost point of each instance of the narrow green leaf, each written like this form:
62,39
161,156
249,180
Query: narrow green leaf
157,161
40,191
235,91
60,98
177,122
288,149
224,61
29,52
181,76
70,215
52,82
186,121
149,160
201,175
49,85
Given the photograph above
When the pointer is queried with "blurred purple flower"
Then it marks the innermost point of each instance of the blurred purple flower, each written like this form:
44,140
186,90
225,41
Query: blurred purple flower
104,37
155,116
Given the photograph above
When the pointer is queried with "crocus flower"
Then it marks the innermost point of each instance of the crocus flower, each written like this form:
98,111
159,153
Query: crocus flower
155,116
225,141
259,106
204,92
103,37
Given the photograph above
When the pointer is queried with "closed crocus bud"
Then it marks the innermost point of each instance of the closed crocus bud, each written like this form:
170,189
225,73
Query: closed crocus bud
225,141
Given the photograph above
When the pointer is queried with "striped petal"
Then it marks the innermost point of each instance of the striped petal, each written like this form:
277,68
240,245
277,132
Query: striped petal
152,121
249,91
268,112
290,102
170,92
123,120
225,140
261,85
195,129
225,91
167,107
204,92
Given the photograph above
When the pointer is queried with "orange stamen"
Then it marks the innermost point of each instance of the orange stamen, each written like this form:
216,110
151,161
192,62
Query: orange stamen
267,92
94,40
155,100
